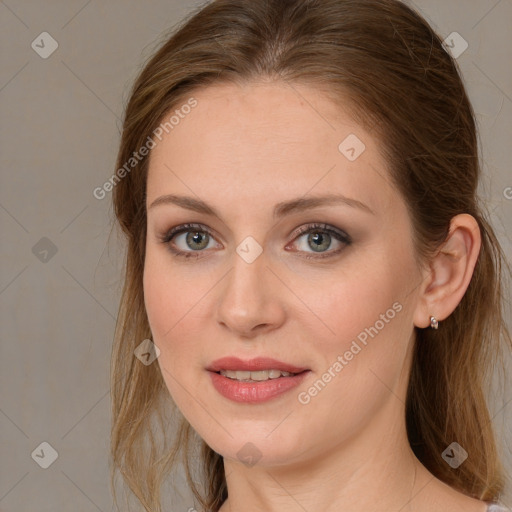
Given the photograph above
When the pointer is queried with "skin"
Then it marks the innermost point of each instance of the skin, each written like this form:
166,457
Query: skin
243,149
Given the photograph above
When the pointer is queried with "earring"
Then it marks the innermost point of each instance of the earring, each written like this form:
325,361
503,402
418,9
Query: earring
434,324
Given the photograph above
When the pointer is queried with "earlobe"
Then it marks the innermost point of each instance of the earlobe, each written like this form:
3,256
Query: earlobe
451,270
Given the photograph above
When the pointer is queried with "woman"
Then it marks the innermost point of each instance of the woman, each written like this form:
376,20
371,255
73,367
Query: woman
309,261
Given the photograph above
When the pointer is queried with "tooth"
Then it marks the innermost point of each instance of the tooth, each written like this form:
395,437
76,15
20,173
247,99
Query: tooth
229,373
262,375
242,375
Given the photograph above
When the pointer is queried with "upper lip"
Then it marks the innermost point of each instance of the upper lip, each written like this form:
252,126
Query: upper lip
258,363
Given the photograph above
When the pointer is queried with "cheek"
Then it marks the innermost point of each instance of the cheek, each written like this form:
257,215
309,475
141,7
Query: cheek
366,311
159,297
176,308
355,300
358,365
165,301
169,293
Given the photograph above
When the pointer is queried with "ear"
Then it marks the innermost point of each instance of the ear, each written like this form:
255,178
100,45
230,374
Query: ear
450,271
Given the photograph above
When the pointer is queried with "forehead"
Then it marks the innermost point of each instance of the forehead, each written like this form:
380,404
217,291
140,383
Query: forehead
263,141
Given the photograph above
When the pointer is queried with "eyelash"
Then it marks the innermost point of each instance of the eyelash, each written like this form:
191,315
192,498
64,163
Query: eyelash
315,227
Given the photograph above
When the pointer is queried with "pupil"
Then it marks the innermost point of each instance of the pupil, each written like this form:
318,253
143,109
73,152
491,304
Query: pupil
318,239
194,238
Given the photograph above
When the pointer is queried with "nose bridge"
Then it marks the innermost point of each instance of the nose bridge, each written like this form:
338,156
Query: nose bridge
246,283
248,298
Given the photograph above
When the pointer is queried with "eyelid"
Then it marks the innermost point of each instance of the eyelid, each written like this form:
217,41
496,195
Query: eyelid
338,234
184,228
321,226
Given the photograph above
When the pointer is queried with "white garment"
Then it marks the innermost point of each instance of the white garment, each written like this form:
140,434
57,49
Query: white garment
495,507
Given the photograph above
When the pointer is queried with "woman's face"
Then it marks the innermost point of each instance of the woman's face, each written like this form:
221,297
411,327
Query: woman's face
342,306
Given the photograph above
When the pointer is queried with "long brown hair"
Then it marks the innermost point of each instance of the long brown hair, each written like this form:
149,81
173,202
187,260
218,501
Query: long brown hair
407,90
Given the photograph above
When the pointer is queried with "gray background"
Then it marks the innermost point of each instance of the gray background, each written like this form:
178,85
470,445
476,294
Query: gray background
60,126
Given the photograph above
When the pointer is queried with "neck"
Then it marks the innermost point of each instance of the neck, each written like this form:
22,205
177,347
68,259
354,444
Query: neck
375,470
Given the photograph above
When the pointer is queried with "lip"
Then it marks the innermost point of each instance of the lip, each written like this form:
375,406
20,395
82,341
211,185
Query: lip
253,365
255,392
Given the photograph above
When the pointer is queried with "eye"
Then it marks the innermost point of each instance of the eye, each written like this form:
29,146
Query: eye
197,238
320,237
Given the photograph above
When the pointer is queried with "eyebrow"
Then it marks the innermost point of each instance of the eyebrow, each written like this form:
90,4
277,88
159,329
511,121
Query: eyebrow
280,209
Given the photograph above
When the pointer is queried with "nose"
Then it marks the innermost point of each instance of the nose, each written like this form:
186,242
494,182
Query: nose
250,298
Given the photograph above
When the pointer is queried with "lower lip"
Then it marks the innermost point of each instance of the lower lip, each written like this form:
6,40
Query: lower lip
255,392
